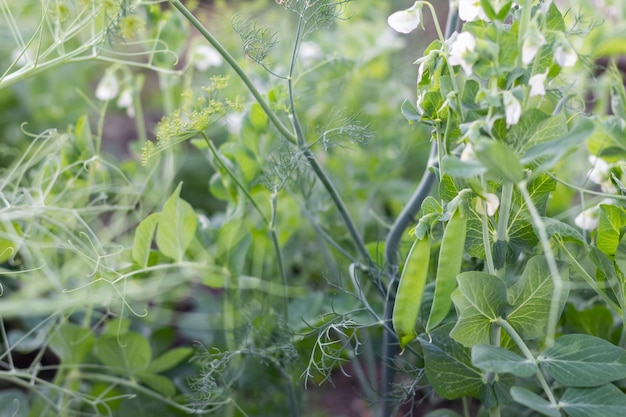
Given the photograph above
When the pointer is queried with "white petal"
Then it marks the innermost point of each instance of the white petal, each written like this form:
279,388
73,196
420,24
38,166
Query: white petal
565,56
512,108
108,87
493,202
538,84
463,45
405,21
533,40
468,153
599,171
588,219
471,10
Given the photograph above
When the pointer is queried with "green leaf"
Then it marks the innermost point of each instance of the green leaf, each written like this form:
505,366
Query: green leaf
554,19
534,402
581,360
448,365
176,226
520,230
130,351
612,219
10,239
531,298
432,106
72,343
544,155
84,138
14,403
410,112
233,242
442,413
159,383
595,321
169,359
564,230
454,167
498,360
500,160
608,140
620,255
449,187
143,239
604,401
479,300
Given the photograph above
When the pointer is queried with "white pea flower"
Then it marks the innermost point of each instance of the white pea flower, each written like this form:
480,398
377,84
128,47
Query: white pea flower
471,10
533,40
564,55
405,21
463,45
512,108
108,87
468,153
538,84
487,204
205,56
125,101
588,219
600,173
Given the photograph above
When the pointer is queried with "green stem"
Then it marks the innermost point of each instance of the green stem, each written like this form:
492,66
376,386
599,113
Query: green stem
237,68
279,256
528,355
232,175
557,281
505,211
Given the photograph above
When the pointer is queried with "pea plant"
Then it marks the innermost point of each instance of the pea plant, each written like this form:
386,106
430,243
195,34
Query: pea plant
271,229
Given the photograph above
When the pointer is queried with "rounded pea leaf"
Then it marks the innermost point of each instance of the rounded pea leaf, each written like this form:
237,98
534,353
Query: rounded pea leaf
498,360
130,351
604,401
176,226
580,360
410,291
534,402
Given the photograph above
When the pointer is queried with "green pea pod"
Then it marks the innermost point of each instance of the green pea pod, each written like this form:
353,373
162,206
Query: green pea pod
410,291
448,267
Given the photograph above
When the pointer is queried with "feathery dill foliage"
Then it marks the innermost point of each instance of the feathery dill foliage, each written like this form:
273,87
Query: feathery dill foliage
257,40
198,112
220,371
341,127
316,14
